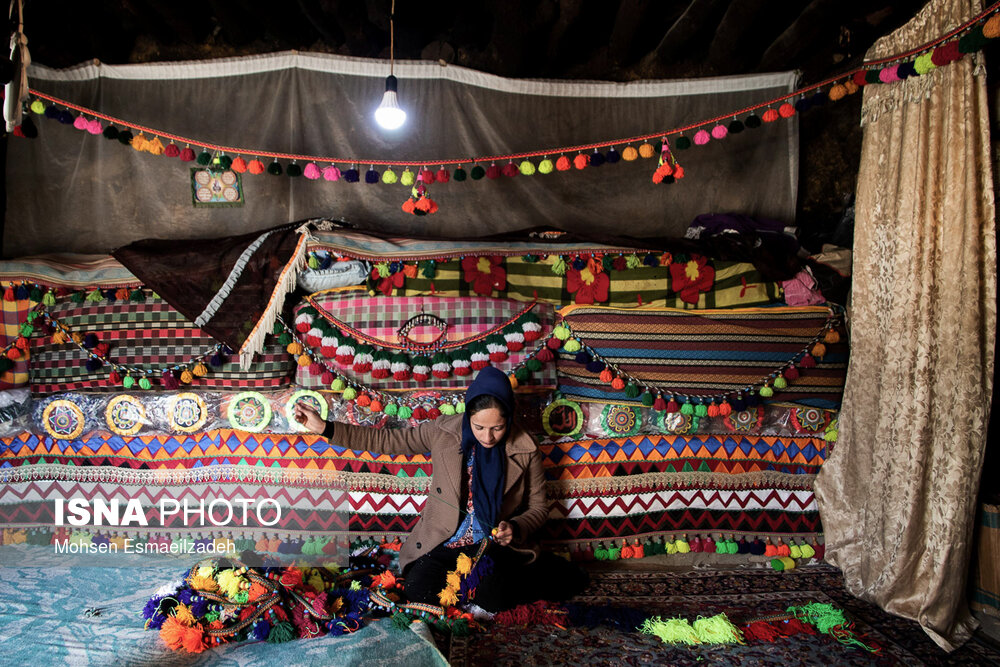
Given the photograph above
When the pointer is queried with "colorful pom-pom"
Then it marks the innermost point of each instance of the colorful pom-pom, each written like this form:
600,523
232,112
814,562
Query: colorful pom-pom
701,137
769,116
527,168
786,110
443,175
837,92
563,163
545,166
331,173
255,167
630,153
719,132
311,171
682,143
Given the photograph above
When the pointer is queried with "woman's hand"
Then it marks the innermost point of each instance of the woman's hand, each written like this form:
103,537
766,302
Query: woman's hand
309,418
504,534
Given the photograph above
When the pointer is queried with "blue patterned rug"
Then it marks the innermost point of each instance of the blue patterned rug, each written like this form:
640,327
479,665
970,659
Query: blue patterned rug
91,616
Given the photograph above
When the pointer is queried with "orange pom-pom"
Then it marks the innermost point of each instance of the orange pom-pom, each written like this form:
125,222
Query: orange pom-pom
513,381
121,294
786,110
831,337
581,161
618,384
819,350
375,406
838,92
606,376
630,153
294,348
239,165
646,150
991,29
199,370
194,639
255,167
364,400
409,206
13,353
562,164
423,204
678,172
186,376
304,360
172,633
770,116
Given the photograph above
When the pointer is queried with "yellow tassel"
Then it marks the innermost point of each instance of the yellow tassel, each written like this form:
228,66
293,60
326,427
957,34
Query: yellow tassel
453,581
464,565
186,376
304,360
294,348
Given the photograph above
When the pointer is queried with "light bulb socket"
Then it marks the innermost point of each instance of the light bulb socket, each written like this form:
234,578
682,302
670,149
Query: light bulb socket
390,83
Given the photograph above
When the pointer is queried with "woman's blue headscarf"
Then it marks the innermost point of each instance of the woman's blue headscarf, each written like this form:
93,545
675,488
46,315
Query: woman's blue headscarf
490,468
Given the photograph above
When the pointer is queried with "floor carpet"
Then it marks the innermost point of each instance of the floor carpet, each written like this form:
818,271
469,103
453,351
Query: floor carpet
743,595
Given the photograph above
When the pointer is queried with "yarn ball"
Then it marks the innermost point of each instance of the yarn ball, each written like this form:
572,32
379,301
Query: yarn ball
294,170
752,122
545,166
852,87
477,172
38,107
510,170
613,156
630,154
769,116
946,53
786,110
443,175
460,174
701,137
407,178
646,150
682,143
871,76
859,78
204,158
255,166
736,126
719,132
275,168
492,172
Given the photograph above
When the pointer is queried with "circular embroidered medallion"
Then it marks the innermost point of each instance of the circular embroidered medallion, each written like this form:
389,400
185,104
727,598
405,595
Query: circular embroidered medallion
187,412
621,420
678,423
125,415
313,399
744,420
63,419
249,411
812,420
562,418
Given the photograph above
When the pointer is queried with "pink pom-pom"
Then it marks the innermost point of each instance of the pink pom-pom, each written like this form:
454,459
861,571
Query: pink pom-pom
701,137
331,173
889,74
80,123
311,171
95,127
719,132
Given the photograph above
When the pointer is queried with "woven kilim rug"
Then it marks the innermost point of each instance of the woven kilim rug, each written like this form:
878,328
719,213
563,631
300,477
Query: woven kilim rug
744,595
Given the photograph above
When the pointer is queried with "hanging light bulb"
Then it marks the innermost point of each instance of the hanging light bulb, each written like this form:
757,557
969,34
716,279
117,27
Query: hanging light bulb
389,115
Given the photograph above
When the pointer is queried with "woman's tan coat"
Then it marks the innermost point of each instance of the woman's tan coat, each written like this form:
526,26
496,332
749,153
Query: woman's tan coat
523,501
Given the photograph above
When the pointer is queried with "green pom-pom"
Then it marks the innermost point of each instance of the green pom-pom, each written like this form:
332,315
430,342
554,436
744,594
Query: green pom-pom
49,299
601,552
670,631
128,381
608,263
278,329
559,267
35,294
224,161
647,399
285,339
428,268
687,409
407,178
275,168
383,269
522,374
144,383
38,107
545,166
459,175
780,382
527,168
766,392
534,365
717,630
338,384
137,296
350,394
572,345
33,315
204,158
682,143
447,409
562,332
389,177
281,632
78,297
405,412
392,410
26,330
632,261
477,172
460,407
831,435
701,410
313,262
632,390
95,296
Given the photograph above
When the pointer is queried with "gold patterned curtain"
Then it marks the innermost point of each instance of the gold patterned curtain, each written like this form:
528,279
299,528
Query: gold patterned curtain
897,496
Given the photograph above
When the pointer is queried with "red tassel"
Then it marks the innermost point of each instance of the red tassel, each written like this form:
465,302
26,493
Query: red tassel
606,376
327,377
659,404
807,361
617,384
433,413
364,400
672,406
791,373
492,171
8,294
427,176
443,175
725,409
510,170
553,343
713,410
187,155
171,150
419,413
401,376
316,368
514,346
545,355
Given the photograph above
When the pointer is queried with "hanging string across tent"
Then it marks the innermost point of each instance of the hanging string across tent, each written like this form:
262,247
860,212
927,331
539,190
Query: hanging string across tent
965,39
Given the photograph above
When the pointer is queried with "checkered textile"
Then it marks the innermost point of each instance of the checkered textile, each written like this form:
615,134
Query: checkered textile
12,315
150,335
